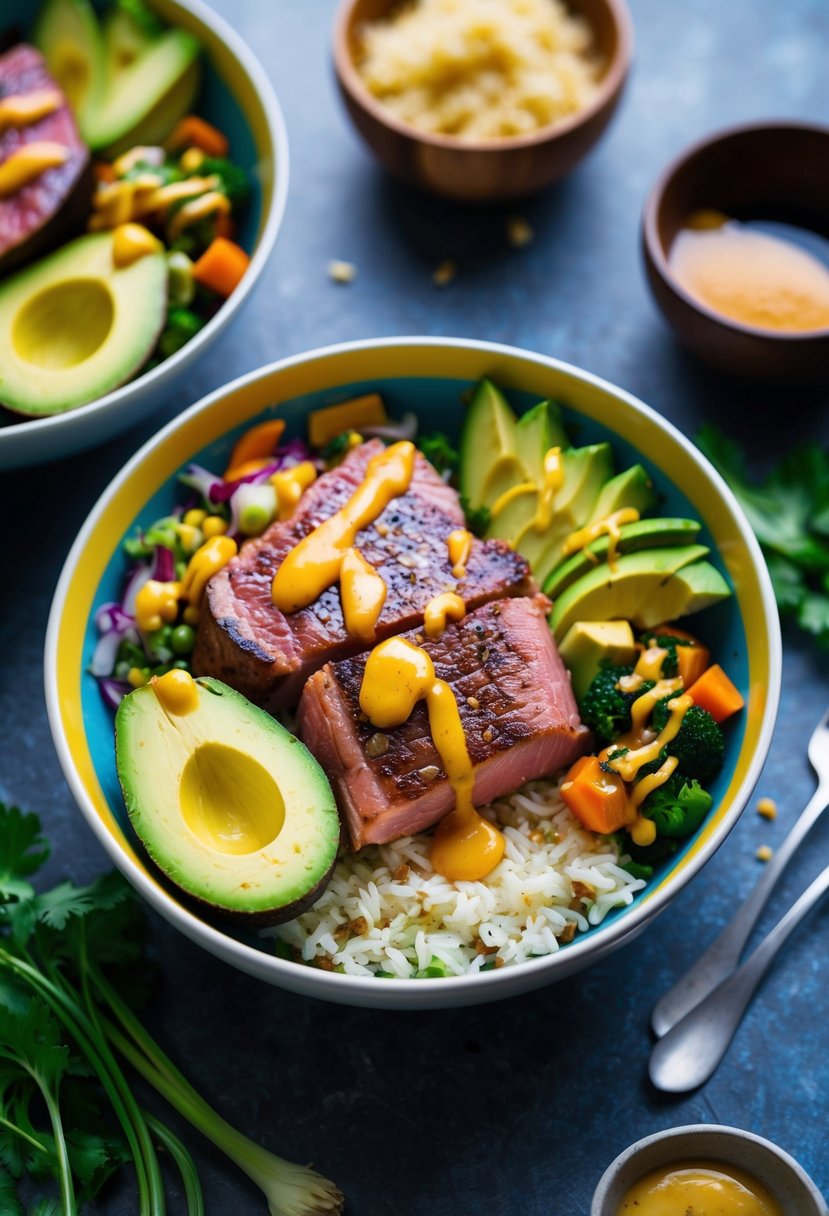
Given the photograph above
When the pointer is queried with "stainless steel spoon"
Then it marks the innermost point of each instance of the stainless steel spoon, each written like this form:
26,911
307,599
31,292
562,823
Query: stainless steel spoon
690,1052
723,955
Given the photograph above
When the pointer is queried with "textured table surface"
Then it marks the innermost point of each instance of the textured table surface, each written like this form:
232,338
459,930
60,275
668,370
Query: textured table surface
514,1108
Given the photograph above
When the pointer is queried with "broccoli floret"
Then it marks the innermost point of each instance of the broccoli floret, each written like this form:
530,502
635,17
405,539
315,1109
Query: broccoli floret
604,707
677,807
649,855
182,325
440,451
666,641
699,745
233,181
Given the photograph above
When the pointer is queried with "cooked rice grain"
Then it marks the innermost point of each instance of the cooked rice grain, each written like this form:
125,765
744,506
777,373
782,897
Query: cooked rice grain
518,912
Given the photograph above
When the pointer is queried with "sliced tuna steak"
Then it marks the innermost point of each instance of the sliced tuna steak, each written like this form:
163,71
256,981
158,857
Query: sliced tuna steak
516,705
246,641
55,204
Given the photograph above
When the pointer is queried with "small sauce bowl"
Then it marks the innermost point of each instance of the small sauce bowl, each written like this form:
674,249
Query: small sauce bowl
483,170
779,1173
774,171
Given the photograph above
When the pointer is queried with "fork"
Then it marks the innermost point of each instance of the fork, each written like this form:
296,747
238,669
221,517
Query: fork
723,955
691,1050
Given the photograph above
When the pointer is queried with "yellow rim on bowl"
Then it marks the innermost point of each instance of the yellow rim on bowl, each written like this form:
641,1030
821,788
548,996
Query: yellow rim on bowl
327,369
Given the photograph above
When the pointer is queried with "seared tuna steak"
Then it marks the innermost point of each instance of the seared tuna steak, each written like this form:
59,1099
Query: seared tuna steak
55,204
246,641
516,705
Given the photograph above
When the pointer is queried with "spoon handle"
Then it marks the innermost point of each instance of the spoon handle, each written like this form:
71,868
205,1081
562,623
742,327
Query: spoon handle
690,1052
722,956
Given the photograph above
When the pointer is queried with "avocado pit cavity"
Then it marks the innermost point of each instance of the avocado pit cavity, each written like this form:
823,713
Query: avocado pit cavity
229,801
64,324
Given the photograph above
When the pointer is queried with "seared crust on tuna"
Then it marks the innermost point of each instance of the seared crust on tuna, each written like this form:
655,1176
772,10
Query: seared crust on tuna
516,705
246,641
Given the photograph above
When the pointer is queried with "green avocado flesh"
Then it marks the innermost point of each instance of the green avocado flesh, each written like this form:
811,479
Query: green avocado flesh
500,452
645,588
137,104
588,643
73,326
229,805
644,534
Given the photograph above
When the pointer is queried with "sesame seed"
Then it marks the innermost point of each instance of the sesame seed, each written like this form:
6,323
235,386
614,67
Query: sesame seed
519,232
444,274
767,807
342,272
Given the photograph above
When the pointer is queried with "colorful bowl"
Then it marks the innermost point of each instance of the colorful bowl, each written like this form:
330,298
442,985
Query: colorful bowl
237,96
429,376
483,171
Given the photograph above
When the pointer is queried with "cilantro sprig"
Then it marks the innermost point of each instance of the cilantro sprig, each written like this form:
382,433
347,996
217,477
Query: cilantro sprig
789,514
69,957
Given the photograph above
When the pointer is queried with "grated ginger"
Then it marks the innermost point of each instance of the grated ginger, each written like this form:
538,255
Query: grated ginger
480,69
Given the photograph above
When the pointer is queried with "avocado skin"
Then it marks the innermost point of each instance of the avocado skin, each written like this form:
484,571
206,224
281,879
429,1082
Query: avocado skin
133,777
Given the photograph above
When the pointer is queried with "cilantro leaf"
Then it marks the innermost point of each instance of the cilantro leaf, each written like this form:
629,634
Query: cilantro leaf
10,1205
23,849
789,514
477,518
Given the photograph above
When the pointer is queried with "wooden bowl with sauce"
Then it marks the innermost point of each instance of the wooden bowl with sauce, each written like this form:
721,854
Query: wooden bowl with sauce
770,182
775,1181
483,170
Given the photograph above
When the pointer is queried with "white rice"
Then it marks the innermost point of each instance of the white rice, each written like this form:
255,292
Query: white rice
386,910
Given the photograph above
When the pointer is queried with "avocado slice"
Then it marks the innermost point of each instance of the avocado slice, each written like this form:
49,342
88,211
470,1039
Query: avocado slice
68,36
631,488
73,326
644,534
642,588
489,456
536,432
585,472
117,109
588,643
125,39
144,102
230,806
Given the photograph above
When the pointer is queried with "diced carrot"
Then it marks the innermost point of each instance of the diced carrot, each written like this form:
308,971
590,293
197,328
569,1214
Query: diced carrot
325,424
257,444
597,798
193,132
715,692
692,662
221,266
692,659
102,171
224,225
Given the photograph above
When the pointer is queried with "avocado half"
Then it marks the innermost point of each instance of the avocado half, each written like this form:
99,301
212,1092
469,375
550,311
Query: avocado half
74,326
229,805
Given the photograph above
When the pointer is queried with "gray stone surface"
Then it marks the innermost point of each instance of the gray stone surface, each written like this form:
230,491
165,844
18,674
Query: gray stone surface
513,1109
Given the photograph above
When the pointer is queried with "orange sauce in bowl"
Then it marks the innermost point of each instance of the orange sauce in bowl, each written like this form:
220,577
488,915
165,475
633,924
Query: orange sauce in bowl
699,1188
751,275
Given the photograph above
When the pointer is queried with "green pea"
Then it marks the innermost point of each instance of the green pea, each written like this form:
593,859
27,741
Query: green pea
182,639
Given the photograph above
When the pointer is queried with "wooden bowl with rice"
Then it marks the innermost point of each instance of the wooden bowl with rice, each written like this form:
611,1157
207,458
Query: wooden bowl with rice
481,104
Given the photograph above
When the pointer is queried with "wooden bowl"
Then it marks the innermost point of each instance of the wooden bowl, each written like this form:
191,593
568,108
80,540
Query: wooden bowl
493,169
774,171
